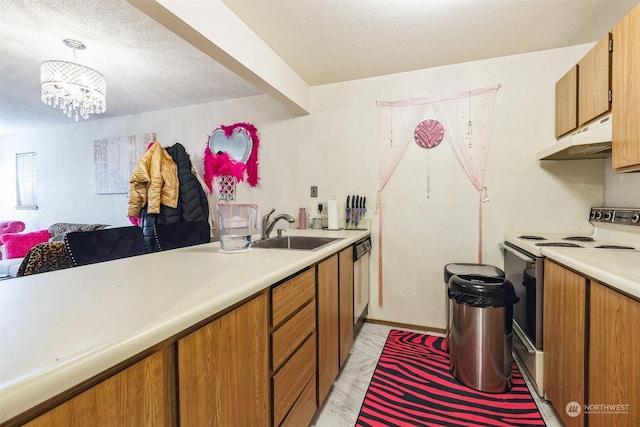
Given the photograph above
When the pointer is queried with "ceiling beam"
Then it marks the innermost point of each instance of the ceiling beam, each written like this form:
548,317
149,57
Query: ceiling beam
213,28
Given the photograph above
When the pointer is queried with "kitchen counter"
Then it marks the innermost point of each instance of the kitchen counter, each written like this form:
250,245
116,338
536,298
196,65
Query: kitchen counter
619,269
61,328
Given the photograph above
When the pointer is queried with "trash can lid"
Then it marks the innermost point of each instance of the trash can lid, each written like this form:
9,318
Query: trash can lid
471,268
481,291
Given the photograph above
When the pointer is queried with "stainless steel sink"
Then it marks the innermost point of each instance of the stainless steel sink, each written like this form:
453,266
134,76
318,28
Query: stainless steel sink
304,243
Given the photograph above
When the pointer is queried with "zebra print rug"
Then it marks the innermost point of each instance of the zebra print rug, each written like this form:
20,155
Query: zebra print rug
412,386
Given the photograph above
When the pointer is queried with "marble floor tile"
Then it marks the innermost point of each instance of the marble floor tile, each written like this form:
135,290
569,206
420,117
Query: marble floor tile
343,403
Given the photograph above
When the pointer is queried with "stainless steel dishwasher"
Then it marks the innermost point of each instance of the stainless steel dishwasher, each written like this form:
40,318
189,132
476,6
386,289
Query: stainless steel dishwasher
361,255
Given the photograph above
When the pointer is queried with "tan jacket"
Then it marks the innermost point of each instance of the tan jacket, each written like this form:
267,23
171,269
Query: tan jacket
153,182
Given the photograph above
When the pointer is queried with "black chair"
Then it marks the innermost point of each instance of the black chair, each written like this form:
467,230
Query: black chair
179,235
88,247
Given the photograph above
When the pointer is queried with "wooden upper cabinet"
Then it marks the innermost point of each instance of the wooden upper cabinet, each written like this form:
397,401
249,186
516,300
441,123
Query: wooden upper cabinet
625,79
594,81
567,102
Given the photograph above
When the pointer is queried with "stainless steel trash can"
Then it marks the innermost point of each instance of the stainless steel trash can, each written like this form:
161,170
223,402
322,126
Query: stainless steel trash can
480,337
458,268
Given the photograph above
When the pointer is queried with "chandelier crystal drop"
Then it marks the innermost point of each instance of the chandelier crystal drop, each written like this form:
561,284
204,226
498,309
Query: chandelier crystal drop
75,89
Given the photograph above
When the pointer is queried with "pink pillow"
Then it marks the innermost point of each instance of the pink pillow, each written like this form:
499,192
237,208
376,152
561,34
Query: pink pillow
18,244
11,227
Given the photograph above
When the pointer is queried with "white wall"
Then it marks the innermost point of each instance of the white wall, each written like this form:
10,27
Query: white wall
622,189
336,148
66,191
422,235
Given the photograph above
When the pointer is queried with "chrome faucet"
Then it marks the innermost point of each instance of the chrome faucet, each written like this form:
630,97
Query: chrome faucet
267,225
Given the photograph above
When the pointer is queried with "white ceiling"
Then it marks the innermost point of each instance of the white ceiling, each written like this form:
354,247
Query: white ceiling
149,68
327,41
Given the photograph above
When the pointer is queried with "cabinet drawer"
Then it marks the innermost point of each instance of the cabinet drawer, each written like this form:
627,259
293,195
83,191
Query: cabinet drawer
305,407
288,297
289,382
292,333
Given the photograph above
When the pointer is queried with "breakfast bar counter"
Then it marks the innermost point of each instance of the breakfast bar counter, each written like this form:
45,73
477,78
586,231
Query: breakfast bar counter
61,328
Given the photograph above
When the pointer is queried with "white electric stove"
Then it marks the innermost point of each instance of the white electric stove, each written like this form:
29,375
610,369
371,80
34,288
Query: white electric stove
614,229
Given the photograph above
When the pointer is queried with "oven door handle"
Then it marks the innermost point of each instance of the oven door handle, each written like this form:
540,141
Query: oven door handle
522,336
516,253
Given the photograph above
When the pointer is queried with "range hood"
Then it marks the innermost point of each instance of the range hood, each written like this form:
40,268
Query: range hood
590,142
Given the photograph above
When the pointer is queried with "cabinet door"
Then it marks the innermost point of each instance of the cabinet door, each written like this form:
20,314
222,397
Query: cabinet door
346,303
625,106
564,332
614,346
567,102
142,394
328,326
290,381
223,369
593,86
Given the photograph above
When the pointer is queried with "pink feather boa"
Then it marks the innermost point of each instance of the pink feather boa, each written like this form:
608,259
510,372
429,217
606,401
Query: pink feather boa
220,164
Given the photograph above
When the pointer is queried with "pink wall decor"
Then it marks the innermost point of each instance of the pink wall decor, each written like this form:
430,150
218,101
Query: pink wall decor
232,150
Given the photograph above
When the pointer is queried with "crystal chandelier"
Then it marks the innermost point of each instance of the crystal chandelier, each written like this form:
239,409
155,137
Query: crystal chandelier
74,88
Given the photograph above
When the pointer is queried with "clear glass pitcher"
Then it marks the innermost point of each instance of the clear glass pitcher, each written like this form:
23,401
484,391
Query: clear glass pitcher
237,222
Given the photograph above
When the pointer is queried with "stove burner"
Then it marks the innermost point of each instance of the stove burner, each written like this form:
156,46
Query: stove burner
560,244
579,238
528,237
614,247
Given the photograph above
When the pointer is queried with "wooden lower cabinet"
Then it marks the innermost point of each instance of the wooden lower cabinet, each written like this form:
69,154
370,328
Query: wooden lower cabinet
305,407
294,349
345,302
614,367
223,369
564,332
591,347
290,381
270,360
141,395
328,326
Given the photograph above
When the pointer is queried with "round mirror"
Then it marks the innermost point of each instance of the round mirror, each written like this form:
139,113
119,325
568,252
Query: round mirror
238,145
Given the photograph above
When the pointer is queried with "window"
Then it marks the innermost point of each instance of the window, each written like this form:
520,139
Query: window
26,181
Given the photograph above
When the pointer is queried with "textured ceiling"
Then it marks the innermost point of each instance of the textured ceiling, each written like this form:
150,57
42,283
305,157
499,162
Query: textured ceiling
337,40
149,68
146,66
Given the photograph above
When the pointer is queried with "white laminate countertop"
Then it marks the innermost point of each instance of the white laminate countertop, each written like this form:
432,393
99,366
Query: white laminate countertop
620,269
61,328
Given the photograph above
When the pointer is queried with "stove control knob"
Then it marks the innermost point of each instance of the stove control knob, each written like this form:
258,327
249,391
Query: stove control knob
608,216
593,214
635,218
598,215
